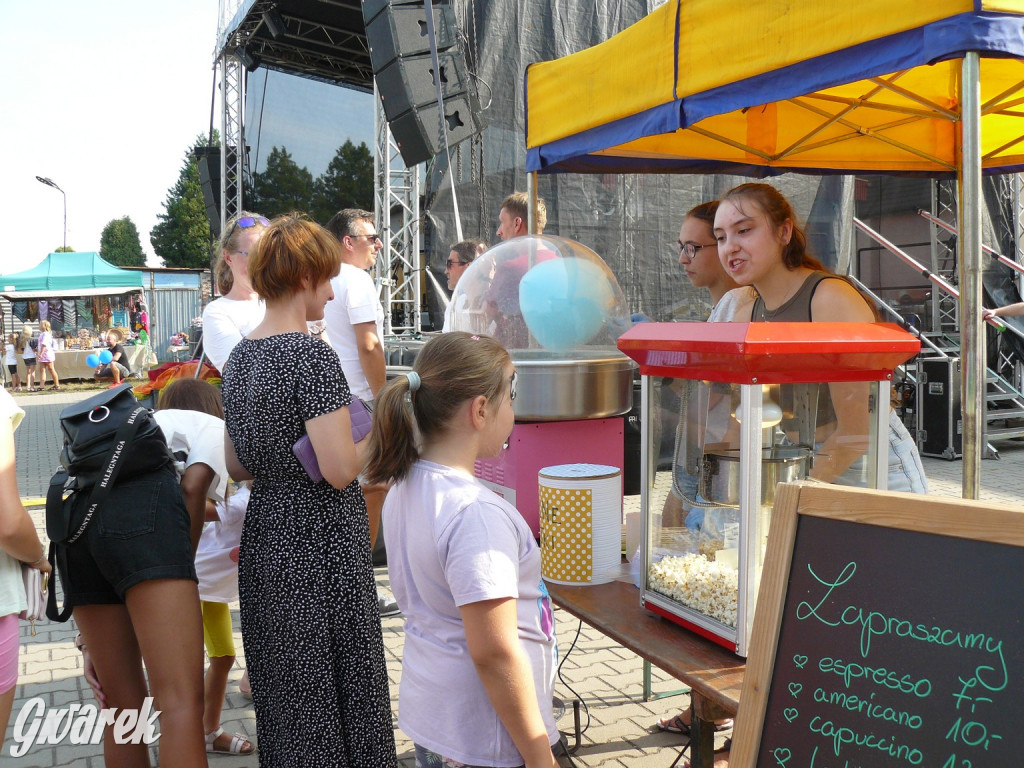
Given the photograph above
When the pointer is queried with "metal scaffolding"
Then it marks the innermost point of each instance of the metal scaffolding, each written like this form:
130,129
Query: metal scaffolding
396,207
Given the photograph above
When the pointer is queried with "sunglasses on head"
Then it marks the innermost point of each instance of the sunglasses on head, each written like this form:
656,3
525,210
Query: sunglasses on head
248,221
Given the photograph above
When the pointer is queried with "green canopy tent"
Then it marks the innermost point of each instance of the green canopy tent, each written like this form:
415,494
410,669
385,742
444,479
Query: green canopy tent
65,275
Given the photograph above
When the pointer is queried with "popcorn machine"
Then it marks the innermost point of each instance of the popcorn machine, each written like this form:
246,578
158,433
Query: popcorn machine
730,410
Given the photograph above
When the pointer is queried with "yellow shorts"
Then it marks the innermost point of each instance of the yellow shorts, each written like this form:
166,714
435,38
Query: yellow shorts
217,632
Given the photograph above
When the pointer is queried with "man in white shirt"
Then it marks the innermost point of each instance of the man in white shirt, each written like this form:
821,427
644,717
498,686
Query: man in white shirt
355,317
355,329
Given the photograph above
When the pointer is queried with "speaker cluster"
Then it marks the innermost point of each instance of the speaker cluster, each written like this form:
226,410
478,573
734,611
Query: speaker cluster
398,36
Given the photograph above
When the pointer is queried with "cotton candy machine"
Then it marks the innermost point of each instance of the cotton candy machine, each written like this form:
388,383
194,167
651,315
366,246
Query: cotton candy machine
558,309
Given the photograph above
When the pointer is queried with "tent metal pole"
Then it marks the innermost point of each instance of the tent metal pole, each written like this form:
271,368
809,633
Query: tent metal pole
972,340
531,193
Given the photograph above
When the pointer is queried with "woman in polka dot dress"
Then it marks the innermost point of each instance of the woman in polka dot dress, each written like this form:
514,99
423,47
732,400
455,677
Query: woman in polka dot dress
479,660
309,613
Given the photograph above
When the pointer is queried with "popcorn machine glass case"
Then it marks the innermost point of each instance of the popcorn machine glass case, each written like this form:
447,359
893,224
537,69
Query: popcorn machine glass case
730,410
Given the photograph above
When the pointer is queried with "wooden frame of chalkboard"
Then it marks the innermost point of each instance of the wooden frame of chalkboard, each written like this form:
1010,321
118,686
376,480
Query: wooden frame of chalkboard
888,632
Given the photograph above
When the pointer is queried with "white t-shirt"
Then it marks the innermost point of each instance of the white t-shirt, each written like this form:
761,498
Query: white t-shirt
28,355
457,304
225,322
217,572
452,542
195,437
12,588
356,300
10,355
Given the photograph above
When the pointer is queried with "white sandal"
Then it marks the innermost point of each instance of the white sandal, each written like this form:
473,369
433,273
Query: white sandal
238,741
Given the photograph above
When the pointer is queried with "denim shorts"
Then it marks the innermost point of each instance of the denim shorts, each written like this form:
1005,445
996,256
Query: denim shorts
906,472
139,533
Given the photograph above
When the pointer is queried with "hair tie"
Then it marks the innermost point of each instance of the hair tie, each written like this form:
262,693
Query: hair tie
414,380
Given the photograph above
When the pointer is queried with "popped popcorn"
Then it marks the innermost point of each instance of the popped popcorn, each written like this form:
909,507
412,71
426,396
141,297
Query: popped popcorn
707,587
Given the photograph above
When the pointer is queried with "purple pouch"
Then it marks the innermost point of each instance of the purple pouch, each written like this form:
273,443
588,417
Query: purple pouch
362,420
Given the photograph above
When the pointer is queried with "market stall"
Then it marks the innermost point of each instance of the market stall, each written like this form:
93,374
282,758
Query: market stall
879,87
81,295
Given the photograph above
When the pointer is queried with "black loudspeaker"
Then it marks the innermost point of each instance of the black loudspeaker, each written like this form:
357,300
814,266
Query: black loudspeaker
404,71
402,31
372,7
409,82
208,160
418,131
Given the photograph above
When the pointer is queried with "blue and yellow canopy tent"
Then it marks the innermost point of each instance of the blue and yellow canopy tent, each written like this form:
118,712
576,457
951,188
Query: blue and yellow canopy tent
770,86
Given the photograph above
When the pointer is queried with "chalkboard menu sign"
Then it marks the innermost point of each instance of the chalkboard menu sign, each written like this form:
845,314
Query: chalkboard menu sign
889,632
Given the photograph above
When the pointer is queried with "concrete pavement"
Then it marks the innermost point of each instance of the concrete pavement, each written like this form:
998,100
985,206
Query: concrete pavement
606,676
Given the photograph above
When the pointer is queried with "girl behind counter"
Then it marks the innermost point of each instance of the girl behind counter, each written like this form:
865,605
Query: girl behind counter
479,658
762,247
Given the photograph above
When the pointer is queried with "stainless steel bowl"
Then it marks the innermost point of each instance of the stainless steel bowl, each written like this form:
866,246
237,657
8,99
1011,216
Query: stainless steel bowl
574,385
720,472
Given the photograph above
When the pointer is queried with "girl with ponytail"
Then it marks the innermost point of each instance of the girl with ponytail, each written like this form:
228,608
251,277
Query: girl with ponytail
479,652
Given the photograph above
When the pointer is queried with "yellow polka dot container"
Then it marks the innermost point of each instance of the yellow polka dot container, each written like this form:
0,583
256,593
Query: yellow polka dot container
580,523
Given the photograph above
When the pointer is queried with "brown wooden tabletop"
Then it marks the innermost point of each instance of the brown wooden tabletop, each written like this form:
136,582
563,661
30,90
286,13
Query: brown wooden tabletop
714,675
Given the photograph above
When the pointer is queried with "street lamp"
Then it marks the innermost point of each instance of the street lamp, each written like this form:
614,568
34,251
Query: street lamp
49,183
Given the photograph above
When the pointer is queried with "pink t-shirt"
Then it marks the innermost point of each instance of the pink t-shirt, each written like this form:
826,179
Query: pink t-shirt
45,347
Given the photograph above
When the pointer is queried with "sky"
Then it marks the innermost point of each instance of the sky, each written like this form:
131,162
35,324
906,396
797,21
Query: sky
105,98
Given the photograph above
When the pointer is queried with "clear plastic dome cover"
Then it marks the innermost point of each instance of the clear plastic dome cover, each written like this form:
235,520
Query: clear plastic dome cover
541,292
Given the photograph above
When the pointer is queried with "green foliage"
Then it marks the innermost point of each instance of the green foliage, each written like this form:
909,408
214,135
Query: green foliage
182,236
282,187
119,243
347,182
63,249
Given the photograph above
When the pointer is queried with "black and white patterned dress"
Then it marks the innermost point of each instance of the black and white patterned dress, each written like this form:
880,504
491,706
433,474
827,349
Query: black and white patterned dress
310,621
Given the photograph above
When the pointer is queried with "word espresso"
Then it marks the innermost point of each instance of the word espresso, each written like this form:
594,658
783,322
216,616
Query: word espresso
82,724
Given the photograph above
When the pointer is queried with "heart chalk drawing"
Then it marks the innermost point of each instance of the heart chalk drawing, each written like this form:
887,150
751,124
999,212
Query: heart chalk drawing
790,713
782,756
794,689
800,660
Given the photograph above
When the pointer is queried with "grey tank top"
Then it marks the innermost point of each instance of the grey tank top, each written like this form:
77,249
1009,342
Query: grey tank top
798,310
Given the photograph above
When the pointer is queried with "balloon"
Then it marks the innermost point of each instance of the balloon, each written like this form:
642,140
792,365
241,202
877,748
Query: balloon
106,356
565,302
92,361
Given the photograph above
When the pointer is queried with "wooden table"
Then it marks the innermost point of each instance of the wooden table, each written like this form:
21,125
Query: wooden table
713,674
71,363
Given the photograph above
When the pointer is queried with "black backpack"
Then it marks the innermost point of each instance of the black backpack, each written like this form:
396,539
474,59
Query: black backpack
104,436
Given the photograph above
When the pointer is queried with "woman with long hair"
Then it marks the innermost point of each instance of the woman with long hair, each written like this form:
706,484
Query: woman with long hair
761,246
45,354
239,309
479,659
310,621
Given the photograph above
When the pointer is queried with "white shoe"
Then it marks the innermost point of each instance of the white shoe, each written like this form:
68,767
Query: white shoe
387,604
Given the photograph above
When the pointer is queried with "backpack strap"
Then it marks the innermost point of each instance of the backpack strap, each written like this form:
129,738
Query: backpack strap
59,563
125,434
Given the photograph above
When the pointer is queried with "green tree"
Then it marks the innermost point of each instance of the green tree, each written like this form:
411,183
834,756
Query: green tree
119,243
182,236
347,182
282,187
63,249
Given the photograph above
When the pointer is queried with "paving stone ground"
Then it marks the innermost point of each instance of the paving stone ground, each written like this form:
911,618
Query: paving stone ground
607,677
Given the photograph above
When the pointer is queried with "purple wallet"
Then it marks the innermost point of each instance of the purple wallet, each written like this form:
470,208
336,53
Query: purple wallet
362,420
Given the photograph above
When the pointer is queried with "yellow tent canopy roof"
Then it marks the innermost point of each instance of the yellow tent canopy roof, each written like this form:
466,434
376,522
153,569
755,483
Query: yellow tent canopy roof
766,87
